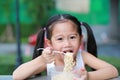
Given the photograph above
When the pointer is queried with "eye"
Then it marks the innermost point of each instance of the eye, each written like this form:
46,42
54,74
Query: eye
59,39
72,37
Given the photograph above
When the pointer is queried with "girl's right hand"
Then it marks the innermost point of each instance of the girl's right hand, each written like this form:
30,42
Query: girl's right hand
48,55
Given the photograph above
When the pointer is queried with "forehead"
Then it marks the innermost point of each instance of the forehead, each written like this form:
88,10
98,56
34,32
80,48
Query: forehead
64,26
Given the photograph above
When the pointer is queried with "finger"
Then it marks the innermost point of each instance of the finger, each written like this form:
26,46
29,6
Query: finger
50,60
48,51
82,71
83,74
58,52
84,77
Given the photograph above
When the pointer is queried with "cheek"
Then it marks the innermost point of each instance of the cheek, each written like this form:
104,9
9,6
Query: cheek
55,45
56,48
76,48
76,45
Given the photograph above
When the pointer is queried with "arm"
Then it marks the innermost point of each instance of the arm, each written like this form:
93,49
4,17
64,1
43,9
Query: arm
103,71
34,66
30,68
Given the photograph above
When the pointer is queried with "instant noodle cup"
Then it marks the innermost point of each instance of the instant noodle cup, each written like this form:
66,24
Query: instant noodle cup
57,73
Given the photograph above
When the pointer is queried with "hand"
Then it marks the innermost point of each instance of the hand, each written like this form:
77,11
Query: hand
82,74
48,55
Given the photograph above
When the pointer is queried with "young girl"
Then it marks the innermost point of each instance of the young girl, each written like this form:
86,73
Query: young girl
63,34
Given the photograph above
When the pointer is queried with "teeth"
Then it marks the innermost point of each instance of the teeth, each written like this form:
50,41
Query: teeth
68,51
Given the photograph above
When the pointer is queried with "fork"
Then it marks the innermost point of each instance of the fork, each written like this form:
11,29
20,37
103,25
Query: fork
54,51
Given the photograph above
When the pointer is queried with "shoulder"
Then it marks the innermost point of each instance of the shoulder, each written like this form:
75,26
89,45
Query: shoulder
88,58
86,54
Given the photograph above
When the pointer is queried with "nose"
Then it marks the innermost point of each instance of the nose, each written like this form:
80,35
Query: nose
67,43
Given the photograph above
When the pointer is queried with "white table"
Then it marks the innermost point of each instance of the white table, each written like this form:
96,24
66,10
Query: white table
6,77
9,77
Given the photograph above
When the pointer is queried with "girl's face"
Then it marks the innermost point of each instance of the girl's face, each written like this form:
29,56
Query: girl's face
65,37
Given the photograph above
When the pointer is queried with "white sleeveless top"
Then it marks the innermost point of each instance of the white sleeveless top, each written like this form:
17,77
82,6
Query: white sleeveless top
79,63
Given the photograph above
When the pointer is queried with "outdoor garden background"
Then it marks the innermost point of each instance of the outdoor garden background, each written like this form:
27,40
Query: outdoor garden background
34,14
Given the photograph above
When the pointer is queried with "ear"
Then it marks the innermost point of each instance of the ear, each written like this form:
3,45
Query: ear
81,38
82,43
48,42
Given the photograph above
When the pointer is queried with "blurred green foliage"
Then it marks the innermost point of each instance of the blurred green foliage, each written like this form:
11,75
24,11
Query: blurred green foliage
37,10
34,14
7,63
30,11
6,10
98,14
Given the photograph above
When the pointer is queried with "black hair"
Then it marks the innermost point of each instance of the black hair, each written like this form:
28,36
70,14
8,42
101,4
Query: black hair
47,29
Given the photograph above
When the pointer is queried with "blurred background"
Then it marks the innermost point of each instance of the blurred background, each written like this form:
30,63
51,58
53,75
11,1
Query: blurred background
20,21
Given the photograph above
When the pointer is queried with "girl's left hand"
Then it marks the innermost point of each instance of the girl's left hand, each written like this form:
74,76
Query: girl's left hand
82,74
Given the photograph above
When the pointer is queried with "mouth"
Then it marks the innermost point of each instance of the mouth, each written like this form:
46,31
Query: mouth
71,51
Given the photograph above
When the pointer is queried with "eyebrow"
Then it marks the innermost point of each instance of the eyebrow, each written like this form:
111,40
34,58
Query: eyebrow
61,35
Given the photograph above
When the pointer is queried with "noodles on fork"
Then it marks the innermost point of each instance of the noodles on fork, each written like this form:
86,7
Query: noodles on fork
69,62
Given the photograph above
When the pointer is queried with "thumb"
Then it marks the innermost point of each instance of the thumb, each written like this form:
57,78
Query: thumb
83,74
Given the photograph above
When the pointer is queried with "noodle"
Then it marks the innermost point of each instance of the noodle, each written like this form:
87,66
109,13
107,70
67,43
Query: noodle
69,62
